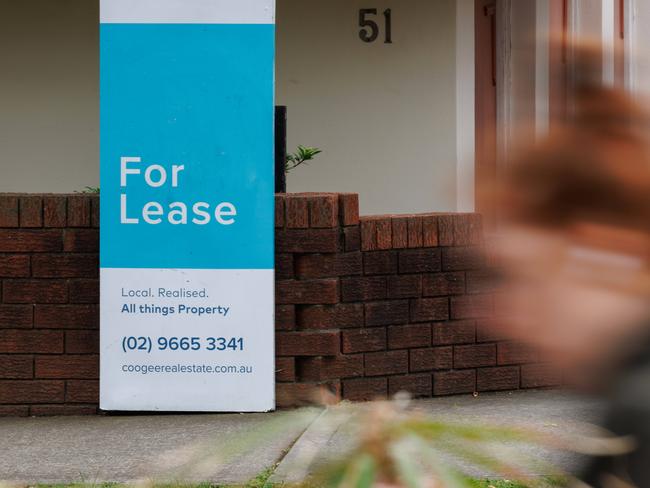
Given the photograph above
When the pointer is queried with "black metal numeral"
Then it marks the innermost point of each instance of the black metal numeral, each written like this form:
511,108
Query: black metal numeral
369,31
388,16
369,28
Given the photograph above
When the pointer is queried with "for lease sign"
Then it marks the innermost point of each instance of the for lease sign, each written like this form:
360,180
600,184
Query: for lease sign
187,205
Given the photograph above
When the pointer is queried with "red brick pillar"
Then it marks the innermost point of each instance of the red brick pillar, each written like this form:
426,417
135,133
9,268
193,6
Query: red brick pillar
317,243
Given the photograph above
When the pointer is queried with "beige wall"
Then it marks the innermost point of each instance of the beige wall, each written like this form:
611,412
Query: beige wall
48,95
384,115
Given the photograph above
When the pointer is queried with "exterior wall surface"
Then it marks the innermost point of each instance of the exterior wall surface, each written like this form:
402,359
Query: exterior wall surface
382,109
49,95
386,110
365,307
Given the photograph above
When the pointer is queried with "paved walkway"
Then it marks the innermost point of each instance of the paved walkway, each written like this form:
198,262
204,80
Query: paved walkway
225,448
232,449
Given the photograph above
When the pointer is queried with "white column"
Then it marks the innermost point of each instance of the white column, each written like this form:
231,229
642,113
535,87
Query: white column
593,20
542,88
631,65
608,36
465,106
639,44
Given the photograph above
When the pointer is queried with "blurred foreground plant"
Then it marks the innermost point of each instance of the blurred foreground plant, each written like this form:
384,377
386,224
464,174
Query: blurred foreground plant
398,448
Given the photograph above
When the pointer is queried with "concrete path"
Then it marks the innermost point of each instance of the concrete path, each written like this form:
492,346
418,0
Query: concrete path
229,448
232,449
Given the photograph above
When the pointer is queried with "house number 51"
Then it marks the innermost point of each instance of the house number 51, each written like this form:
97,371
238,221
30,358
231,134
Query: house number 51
370,29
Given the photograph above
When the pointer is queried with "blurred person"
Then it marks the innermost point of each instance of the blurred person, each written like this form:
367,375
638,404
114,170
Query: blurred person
574,247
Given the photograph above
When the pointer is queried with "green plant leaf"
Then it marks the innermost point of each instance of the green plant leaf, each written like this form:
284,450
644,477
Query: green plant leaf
301,156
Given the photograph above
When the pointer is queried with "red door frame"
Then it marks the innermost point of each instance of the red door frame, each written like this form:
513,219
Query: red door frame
619,44
558,61
486,105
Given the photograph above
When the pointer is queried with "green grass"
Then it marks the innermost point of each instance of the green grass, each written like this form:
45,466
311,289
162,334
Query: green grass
78,485
550,483
497,484
262,481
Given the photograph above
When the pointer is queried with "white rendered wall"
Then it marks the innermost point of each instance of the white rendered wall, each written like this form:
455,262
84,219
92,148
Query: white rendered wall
49,95
384,114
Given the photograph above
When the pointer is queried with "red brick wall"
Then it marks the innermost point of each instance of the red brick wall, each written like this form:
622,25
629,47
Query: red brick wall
49,361
365,307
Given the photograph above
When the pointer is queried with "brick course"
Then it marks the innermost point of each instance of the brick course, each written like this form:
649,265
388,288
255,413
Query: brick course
366,306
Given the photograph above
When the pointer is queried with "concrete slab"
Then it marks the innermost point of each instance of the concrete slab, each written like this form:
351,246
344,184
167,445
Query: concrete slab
335,431
314,444
228,449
